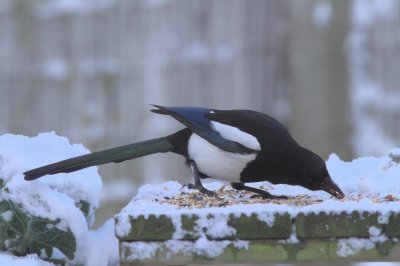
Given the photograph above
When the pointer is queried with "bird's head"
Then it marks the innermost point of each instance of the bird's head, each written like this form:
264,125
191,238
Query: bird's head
316,176
326,184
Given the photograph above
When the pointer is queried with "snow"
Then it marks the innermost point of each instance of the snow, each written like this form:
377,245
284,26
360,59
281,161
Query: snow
351,246
143,250
7,216
21,153
55,197
364,181
29,260
217,226
293,239
139,250
100,247
267,217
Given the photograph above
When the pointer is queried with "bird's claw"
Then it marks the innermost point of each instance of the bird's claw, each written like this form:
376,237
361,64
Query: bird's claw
269,196
203,190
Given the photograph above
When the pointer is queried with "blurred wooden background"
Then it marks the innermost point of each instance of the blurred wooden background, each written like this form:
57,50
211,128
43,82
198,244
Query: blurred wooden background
328,69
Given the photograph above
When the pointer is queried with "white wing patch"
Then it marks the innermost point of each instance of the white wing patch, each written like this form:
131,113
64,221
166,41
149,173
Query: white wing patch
216,163
235,134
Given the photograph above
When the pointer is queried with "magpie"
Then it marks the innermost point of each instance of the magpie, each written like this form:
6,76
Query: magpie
237,146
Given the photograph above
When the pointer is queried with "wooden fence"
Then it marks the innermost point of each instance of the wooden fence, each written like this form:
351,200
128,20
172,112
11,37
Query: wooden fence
89,70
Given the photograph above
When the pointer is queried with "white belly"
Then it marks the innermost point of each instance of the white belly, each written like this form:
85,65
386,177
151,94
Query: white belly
216,163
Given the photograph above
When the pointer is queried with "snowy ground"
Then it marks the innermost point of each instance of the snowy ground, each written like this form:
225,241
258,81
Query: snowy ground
367,182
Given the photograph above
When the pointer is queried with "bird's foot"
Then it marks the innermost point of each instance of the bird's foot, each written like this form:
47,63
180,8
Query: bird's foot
259,192
203,190
266,195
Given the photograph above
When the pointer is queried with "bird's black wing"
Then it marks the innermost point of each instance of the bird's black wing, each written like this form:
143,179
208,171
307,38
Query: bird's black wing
196,119
268,131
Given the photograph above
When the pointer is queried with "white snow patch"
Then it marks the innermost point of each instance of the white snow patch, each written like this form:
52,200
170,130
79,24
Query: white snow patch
7,215
351,246
267,217
150,192
217,225
55,197
293,239
139,250
124,226
395,152
45,196
374,231
383,218
100,247
366,176
28,260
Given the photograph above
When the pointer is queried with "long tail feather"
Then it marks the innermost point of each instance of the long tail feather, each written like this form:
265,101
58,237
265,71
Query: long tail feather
115,155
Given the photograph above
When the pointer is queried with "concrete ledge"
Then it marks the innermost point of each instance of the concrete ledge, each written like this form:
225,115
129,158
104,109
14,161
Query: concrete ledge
324,225
177,226
306,237
262,251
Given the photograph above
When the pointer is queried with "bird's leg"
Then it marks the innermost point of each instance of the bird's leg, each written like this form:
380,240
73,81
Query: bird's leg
197,182
264,194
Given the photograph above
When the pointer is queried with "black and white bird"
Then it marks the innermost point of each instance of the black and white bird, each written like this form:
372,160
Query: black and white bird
237,146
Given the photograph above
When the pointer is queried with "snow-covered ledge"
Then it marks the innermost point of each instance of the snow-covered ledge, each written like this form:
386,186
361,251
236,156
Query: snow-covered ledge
168,223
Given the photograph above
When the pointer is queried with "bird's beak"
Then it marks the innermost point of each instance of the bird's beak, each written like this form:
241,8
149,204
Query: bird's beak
329,186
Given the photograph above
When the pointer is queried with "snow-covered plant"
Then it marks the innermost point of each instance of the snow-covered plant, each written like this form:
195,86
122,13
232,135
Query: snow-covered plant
22,233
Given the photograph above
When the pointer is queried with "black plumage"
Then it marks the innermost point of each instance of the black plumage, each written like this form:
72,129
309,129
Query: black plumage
238,146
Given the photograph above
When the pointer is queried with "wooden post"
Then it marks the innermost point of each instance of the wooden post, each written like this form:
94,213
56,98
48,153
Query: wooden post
318,76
